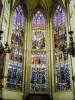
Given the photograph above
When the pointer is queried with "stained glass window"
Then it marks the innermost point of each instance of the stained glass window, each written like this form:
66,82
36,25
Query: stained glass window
61,60
14,75
38,72
38,36
38,61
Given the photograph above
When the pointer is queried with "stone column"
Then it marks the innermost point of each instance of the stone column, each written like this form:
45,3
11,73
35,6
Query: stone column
2,57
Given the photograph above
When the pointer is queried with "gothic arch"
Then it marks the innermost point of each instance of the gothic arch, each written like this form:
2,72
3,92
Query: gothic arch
53,8
38,8
19,2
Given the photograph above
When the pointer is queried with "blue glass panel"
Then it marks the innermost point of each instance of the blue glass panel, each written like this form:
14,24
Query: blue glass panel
15,17
22,20
38,72
19,19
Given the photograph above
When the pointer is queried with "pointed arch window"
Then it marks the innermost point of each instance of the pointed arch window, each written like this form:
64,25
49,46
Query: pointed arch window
14,76
38,36
62,71
38,54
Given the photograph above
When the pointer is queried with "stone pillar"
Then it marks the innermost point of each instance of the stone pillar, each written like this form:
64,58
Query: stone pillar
2,57
25,60
73,78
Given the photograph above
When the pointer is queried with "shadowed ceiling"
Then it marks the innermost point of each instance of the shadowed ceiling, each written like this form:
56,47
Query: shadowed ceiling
44,4
41,3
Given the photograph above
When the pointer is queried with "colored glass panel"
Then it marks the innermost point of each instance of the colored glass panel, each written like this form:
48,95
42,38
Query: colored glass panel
61,60
22,20
38,72
15,17
14,76
38,36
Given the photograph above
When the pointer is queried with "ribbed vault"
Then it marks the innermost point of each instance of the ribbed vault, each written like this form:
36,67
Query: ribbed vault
46,5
